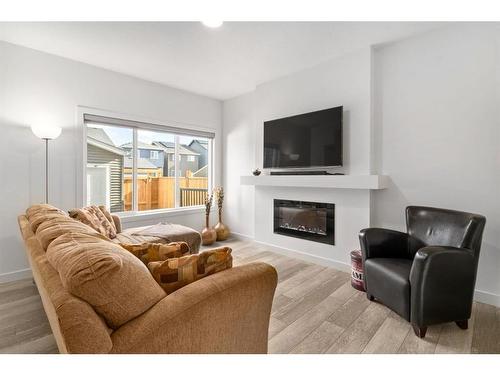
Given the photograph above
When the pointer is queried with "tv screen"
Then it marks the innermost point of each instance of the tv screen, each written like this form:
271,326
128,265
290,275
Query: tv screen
308,140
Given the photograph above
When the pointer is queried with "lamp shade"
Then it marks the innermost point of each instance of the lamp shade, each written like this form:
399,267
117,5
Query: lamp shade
46,131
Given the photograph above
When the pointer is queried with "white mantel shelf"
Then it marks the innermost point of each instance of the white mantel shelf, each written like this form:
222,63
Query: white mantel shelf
370,182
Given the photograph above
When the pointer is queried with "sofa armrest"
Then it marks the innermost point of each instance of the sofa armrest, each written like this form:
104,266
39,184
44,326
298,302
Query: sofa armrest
118,223
383,243
442,282
227,312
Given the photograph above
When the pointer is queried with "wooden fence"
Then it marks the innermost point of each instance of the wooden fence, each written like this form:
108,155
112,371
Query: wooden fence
159,192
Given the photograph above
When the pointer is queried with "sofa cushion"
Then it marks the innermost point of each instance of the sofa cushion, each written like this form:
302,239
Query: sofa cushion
114,282
45,208
94,218
38,213
54,227
175,273
153,252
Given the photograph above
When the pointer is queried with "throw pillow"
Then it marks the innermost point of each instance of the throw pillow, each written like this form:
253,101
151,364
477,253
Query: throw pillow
94,218
152,252
106,213
175,273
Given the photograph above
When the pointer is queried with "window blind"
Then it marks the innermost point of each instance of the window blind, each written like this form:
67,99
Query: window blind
103,120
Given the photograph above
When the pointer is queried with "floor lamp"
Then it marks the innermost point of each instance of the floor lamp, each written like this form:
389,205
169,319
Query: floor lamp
46,133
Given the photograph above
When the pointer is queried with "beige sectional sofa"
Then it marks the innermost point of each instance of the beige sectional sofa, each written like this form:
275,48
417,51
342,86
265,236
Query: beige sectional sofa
101,299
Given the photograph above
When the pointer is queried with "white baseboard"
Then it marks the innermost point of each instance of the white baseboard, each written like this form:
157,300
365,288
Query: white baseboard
243,237
341,266
479,295
487,297
15,275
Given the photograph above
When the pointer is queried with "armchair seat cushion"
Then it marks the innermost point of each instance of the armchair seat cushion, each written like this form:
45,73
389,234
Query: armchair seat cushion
387,279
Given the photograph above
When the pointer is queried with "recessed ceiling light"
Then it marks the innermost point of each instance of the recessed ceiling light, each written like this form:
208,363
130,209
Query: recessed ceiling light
212,23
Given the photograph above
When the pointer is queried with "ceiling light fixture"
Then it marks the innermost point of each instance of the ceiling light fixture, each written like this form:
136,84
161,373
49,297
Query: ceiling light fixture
212,23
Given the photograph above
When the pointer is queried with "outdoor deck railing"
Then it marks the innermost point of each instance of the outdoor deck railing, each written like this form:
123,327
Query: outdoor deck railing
193,196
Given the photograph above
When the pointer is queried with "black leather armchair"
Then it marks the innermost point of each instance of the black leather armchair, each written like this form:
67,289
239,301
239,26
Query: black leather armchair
428,274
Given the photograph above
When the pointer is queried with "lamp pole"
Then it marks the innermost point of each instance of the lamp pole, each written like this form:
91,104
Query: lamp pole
46,170
46,133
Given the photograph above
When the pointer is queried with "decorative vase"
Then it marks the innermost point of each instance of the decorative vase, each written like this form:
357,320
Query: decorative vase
208,234
221,229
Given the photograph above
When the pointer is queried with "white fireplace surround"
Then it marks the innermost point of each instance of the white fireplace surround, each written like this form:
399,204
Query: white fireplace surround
350,194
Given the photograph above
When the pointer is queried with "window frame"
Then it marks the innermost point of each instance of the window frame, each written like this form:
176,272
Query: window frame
182,129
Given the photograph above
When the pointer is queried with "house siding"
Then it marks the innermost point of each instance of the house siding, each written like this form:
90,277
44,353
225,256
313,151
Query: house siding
203,158
99,156
146,154
184,165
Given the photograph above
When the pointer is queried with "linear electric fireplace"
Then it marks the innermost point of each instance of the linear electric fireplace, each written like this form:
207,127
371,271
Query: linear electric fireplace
307,220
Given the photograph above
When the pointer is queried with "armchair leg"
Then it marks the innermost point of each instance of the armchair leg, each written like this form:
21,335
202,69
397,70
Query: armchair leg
419,331
463,324
370,297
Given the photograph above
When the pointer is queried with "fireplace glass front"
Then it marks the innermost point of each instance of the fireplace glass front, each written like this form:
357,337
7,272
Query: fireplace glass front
307,220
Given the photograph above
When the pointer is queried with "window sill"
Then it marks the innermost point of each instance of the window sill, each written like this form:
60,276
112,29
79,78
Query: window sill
130,217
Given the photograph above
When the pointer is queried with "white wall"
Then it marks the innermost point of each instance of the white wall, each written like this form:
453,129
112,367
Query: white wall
437,132
238,142
344,81
36,87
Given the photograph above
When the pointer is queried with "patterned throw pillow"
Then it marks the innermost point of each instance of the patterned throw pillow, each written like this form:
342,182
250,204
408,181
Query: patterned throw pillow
94,218
153,252
106,213
175,273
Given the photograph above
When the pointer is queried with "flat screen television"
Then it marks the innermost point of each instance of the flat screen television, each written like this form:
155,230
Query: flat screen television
308,140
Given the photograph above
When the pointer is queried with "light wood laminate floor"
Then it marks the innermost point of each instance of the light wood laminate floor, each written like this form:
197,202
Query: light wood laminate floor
315,310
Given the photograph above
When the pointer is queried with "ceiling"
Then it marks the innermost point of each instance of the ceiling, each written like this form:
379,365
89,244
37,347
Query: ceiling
220,63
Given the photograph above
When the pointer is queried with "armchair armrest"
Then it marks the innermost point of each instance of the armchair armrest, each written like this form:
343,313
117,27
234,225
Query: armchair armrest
383,243
118,223
442,282
227,312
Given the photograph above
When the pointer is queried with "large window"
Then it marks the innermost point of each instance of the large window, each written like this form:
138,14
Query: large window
134,166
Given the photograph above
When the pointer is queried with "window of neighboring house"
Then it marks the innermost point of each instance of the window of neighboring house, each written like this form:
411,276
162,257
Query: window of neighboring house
118,177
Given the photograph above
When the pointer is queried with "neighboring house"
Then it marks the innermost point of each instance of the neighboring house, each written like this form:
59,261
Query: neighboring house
145,168
201,147
104,170
150,152
188,159
202,172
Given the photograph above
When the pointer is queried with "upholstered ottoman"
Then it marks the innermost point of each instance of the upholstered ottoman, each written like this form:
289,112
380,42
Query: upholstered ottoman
161,233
